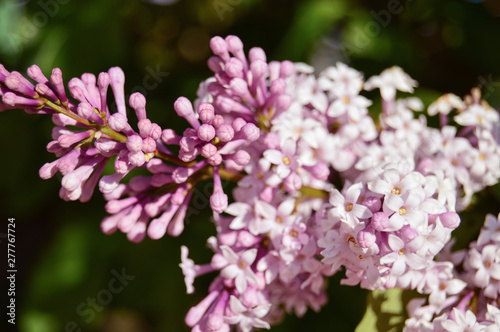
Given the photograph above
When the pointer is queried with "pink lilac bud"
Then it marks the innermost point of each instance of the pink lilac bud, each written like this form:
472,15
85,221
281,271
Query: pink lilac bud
240,88
72,180
15,81
168,136
283,102
287,69
228,105
425,166
278,87
115,206
57,81
48,170
86,111
450,219
247,239
148,145
240,157
134,143
184,108
138,232
206,113
320,171
145,126
259,68
219,47
218,200
271,141
35,73
215,64
90,184
238,123
68,162
206,132
234,68
218,121
44,90
181,174
15,101
67,141
117,82
160,179
372,203
63,120
188,144
208,150
158,227
118,122
154,207
257,53
137,158
267,194
380,221
406,233
89,82
234,45
140,183
122,162
103,81
195,314
128,221
3,73
138,102
215,322
292,182
225,133
78,90
176,226
155,132
274,70
250,132
215,160
108,183
366,237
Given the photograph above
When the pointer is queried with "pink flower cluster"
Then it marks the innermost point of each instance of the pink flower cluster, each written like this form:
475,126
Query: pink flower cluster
463,287
322,186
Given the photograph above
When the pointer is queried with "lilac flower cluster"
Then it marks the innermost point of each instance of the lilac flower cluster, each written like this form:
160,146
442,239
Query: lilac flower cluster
463,287
322,186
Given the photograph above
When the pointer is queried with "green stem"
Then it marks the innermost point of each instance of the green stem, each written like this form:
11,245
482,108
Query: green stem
313,192
68,113
113,134
226,175
104,129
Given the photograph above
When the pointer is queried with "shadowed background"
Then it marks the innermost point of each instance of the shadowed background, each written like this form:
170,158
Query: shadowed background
63,259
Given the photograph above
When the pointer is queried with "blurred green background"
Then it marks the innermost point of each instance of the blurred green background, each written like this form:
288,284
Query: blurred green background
63,259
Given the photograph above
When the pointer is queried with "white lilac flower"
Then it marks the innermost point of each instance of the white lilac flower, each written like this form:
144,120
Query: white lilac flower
247,318
445,103
389,81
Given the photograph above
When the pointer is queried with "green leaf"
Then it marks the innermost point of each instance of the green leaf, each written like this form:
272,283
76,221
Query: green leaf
385,311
